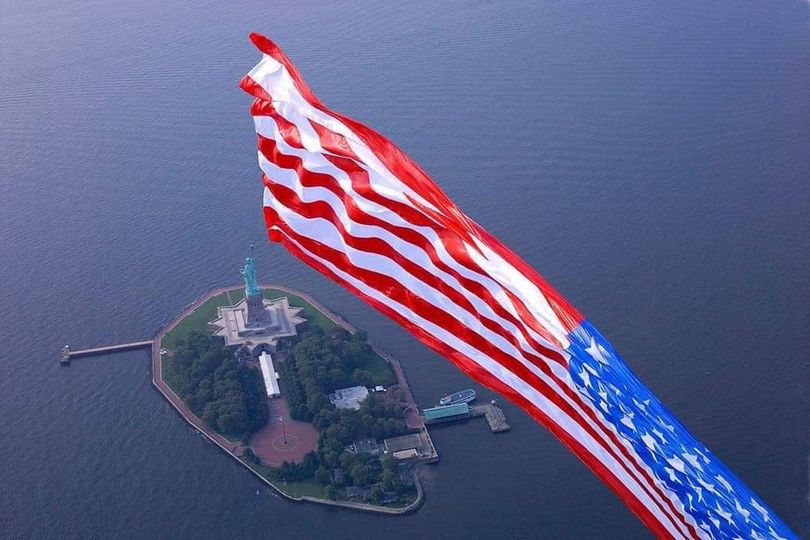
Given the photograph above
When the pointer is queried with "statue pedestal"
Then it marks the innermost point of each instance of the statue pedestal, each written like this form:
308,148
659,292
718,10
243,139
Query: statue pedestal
255,309
256,323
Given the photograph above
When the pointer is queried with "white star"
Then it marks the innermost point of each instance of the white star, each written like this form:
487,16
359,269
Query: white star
742,511
724,515
628,421
648,441
724,482
709,487
586,378
596,352
761,509
693,460
602,394
677,463
640,405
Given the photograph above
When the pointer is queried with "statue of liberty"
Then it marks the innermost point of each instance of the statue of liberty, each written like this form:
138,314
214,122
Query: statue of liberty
249,275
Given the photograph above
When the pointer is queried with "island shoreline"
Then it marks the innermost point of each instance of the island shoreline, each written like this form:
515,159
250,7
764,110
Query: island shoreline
231,448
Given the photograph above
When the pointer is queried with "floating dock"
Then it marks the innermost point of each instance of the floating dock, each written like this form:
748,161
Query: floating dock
66,355
494,416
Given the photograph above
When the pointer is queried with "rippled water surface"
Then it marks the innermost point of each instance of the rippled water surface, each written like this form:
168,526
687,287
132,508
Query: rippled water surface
650,158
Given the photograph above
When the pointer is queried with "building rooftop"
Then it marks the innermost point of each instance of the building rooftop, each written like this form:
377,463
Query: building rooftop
447,411
404,442
269,375
349,398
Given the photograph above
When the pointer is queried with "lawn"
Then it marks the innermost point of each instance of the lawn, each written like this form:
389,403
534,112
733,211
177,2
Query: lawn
309,312
199,318
304,488
380,370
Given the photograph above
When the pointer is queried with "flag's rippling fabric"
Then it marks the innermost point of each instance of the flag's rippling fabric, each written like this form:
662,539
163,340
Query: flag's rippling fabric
348,202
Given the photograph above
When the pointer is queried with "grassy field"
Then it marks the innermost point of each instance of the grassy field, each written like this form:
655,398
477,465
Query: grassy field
197,319
309,312
380,370
305,488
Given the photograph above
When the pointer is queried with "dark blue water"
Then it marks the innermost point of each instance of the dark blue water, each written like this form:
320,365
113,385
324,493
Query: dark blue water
652,159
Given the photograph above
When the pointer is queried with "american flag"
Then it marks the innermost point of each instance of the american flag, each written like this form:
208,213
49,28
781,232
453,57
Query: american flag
348,202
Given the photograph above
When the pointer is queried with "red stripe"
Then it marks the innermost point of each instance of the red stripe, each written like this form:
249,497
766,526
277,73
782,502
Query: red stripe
484,377
425,309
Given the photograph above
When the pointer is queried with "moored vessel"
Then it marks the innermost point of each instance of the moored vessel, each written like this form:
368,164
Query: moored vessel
465,396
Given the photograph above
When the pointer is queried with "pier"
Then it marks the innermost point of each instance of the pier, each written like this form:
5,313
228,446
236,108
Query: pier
66,355
494,416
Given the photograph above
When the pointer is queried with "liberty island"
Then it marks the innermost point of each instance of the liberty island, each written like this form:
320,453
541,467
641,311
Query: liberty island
266,330
237,365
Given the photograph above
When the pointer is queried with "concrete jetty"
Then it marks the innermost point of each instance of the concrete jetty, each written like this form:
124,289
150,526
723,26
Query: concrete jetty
66,354
494,415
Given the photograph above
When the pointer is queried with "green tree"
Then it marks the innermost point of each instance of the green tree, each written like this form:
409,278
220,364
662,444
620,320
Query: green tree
322,475
358,474
376,494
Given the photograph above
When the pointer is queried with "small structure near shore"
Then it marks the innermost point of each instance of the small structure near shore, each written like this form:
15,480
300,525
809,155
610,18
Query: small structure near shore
411,448
446,413
349,398
495,417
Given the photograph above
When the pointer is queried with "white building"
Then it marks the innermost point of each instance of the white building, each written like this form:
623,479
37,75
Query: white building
269,375
349,398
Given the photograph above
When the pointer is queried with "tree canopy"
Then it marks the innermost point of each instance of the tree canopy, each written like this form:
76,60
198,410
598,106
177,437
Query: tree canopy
228,397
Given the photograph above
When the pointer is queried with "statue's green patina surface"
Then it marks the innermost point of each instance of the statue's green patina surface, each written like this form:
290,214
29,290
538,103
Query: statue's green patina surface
249,274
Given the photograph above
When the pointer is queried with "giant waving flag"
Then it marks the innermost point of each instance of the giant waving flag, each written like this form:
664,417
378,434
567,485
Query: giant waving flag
348,202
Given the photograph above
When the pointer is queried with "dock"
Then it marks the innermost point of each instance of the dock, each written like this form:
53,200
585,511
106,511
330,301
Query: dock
66,354
494,416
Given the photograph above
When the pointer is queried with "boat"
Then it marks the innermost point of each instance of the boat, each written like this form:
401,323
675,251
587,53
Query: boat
465,396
